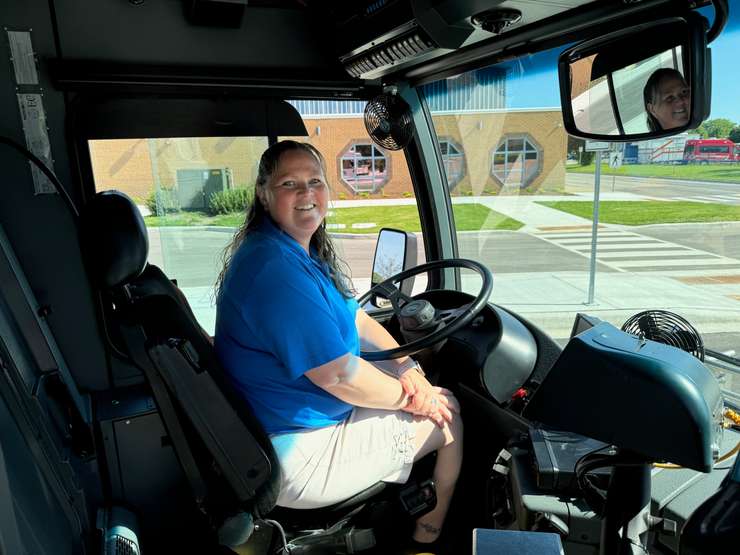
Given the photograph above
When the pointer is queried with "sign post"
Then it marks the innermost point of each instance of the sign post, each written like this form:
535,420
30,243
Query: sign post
598,147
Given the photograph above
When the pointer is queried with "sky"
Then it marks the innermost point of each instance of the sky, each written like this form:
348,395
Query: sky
533,81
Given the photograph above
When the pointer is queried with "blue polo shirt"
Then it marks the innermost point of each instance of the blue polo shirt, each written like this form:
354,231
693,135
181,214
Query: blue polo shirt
278,316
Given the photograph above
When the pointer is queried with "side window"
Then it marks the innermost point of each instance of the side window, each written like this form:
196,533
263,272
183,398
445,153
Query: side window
192,193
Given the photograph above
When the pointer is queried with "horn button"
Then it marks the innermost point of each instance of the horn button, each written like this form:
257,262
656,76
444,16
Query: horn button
417,315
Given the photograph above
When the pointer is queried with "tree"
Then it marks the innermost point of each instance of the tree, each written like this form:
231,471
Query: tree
734,135
719,128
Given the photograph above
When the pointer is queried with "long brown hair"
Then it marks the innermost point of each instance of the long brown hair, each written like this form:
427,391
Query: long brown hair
256,213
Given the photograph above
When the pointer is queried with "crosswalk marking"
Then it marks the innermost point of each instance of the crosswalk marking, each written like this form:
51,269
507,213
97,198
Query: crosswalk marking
715,199
632,247
693,199
707,261
648,254
627,251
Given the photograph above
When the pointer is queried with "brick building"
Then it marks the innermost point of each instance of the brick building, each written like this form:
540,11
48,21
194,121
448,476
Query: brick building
485,148
483,152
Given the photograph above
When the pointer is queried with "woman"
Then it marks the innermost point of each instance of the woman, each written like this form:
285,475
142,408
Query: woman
667,100
289,332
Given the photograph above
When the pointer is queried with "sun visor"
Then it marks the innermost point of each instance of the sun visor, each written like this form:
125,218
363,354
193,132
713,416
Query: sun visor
161,117
639,395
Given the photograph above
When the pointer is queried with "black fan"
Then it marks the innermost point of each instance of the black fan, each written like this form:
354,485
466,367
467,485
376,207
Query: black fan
388,121
666,327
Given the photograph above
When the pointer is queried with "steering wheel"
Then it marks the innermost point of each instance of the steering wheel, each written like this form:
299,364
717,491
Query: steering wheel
420,315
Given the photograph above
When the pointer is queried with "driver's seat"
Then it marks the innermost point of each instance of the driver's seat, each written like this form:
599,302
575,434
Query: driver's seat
225,454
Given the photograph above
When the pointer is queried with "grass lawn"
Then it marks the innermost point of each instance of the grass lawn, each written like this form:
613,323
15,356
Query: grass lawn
644,212
725,173
468,217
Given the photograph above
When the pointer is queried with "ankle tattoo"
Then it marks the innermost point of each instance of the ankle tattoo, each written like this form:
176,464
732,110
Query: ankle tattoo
429,528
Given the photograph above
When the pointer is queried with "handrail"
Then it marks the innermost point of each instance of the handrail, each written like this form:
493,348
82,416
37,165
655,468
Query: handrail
721,13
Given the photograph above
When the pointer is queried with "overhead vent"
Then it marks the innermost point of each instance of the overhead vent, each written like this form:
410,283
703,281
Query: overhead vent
405,47
374,37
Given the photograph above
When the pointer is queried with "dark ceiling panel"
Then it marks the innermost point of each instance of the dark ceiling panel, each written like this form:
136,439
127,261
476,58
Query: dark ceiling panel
156,32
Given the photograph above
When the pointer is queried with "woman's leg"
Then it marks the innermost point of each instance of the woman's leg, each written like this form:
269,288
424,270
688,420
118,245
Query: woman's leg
447,441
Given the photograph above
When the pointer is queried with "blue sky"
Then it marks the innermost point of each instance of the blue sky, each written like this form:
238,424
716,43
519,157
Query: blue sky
533,81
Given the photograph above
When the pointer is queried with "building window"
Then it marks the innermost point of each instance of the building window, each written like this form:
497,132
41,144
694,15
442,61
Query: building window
364,167
454,161
517,160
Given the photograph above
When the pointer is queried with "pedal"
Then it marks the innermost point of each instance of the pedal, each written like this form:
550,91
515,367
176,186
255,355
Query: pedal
419,498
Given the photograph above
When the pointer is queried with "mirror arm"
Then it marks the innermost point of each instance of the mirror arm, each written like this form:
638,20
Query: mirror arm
721,13
615,107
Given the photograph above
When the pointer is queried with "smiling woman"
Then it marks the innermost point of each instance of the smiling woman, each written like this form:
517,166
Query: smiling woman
667,100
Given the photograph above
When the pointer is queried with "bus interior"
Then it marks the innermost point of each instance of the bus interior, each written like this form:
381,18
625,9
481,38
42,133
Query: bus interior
599,391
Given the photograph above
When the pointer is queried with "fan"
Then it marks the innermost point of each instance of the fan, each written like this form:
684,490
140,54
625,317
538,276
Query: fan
666,327
388,121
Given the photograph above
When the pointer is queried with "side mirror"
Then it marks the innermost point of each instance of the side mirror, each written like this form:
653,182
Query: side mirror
394,253
650,81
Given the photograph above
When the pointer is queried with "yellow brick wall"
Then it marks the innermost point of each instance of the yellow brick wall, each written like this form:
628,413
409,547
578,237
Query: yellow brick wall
126,164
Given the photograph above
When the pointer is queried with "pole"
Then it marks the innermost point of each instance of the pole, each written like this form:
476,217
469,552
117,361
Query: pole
594,230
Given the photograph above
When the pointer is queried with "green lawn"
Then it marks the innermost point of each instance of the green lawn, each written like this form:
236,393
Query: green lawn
646,212
725,173
468,217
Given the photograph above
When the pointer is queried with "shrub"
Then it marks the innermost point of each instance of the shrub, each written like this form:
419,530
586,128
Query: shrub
587,158
342,195
364,194
407,194
163,201
230,201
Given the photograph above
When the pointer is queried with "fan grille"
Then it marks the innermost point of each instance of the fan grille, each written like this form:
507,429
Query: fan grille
666,327
388,121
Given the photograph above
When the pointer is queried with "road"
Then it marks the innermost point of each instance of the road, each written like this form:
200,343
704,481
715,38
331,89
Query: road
696,191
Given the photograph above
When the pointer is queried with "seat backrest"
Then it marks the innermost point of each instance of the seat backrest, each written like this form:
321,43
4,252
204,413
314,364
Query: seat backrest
161,331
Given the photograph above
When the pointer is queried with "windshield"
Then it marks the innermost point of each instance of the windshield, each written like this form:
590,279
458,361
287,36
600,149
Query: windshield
668,229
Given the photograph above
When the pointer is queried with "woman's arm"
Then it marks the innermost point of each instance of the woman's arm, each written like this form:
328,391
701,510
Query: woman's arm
357,382
374,337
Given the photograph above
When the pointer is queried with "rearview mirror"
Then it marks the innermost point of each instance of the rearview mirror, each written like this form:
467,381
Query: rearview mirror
394,252
650,81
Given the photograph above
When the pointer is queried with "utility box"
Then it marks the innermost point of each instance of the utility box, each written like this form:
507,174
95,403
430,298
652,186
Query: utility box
195,187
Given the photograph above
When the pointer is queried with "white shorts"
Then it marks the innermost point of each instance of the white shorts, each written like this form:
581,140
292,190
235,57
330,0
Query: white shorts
327,465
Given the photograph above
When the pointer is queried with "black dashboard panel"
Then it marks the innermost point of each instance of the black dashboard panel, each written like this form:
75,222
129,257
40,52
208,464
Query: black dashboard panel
496,351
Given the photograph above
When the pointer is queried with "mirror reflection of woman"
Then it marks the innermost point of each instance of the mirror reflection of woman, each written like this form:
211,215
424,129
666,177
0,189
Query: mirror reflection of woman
667,99
288,332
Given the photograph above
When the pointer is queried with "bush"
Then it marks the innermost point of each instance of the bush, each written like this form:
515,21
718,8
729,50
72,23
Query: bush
163,201
587,158
230,201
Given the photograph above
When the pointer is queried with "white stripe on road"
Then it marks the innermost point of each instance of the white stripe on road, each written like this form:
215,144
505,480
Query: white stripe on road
683,262
601,239
640,246
692,199
645,254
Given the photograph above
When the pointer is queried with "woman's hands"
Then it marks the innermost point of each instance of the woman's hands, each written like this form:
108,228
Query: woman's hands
436,403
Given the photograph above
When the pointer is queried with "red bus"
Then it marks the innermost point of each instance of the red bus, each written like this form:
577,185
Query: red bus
704,151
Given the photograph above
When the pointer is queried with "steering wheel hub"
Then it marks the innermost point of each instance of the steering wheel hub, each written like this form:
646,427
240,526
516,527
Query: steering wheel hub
416,315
